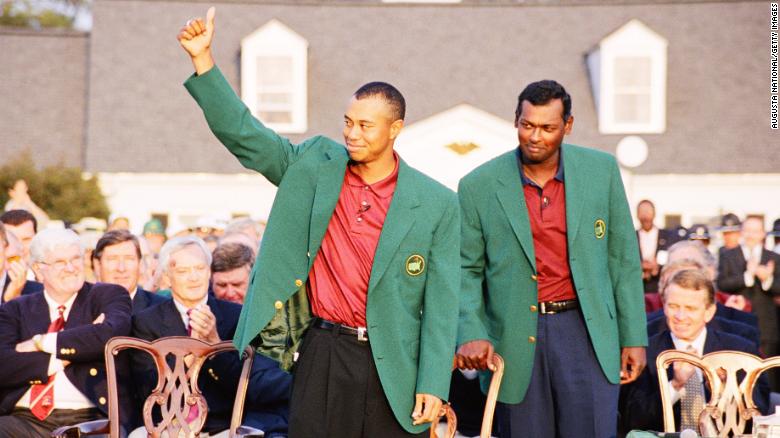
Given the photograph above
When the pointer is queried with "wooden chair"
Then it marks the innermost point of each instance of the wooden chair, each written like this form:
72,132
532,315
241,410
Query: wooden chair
176,391
731,402
490,405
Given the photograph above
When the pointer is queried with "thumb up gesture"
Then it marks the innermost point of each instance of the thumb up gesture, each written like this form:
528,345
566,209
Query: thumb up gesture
195,37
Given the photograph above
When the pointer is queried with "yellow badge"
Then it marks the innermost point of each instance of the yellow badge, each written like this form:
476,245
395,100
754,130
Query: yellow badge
415,265
600,228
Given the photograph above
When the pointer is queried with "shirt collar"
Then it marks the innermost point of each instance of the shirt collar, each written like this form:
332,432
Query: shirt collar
558,174
383,188
697,343
184,309
53,305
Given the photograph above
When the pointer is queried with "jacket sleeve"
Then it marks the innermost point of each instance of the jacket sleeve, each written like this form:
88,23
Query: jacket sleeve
729,280
624,268
472,319
87,342
440,305
18,368
256,146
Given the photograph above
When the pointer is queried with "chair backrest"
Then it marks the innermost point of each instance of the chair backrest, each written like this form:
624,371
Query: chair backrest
490,404
177,391
731,403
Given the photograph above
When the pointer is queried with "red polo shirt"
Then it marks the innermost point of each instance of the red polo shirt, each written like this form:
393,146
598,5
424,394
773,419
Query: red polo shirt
338,281
547,216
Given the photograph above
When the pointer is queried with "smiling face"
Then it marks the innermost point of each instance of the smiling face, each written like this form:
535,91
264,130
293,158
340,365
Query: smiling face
120,264
188,274
62,270
687,311
369,130
540,131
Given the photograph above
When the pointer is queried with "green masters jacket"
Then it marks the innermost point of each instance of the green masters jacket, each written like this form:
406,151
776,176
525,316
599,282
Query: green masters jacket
413,290
499,289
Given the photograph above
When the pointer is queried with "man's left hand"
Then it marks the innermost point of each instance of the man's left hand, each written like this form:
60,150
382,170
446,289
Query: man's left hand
27,346
204,324
426,408
632,362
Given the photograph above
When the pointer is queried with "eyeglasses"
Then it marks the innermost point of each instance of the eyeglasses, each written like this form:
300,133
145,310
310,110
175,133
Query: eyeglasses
60,265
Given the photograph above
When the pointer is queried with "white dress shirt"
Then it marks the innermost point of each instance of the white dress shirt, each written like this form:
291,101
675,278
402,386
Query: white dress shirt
648,243
66,396
679,344
750,277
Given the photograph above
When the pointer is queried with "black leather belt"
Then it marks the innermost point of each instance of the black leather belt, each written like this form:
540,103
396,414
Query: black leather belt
361,333
553,307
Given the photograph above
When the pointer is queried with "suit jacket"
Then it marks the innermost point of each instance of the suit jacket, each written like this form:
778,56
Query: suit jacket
499,289
81,342
30,287
664,241
411,315
269,387
731,270
144,299
656,323
640,401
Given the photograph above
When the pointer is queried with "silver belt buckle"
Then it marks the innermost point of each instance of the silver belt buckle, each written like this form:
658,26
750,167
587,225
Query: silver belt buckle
542,308
361,335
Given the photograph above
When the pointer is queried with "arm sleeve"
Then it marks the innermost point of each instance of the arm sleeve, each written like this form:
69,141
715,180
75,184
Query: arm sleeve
18,368
624,267
440,306
256,146
472,317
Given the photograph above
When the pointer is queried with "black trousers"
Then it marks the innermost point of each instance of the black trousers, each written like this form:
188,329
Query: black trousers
21,423
336,391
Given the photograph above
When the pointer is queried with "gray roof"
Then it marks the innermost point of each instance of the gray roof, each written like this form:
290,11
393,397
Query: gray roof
479,52
44,95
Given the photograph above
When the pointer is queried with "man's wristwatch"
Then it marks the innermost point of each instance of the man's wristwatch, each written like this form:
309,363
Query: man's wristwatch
38,341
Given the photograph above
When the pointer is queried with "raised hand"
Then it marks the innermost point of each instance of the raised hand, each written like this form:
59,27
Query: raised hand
195,37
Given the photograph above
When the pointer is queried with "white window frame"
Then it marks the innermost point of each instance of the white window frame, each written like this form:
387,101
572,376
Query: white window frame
633,40
276,39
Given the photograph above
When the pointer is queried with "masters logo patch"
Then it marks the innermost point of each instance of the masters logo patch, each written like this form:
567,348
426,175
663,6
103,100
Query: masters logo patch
415,265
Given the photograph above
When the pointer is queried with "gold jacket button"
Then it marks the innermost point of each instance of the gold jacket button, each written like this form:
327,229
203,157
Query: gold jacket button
278,305
299,282
534,277
63,351
93,372
531,339
533,308
102,400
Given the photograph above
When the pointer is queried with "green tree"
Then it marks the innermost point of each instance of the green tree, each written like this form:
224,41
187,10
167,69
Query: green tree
40,14
62,192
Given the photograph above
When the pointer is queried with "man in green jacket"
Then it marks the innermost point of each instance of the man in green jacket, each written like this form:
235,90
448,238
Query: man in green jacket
359,259
551,277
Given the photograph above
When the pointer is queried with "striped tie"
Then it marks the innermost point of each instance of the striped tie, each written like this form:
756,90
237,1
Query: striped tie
42,395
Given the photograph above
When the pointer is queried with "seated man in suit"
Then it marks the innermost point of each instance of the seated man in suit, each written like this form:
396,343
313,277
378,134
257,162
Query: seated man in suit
117,259
732,307
51,343
13,269
656,321
185,261
689,299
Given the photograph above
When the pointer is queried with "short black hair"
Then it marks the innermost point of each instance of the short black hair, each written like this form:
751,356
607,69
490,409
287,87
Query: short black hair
541,93
18,217
389,93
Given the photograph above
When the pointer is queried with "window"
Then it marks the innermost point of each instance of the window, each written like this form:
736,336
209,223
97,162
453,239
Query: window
274,77
628,78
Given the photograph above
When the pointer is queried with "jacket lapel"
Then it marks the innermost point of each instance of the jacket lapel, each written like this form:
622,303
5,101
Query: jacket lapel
398,222
329,180
38,314
512,198
171,320
574,186
77,315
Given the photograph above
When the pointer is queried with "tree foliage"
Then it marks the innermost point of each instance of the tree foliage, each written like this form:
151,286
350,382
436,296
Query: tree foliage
41,14
62,192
